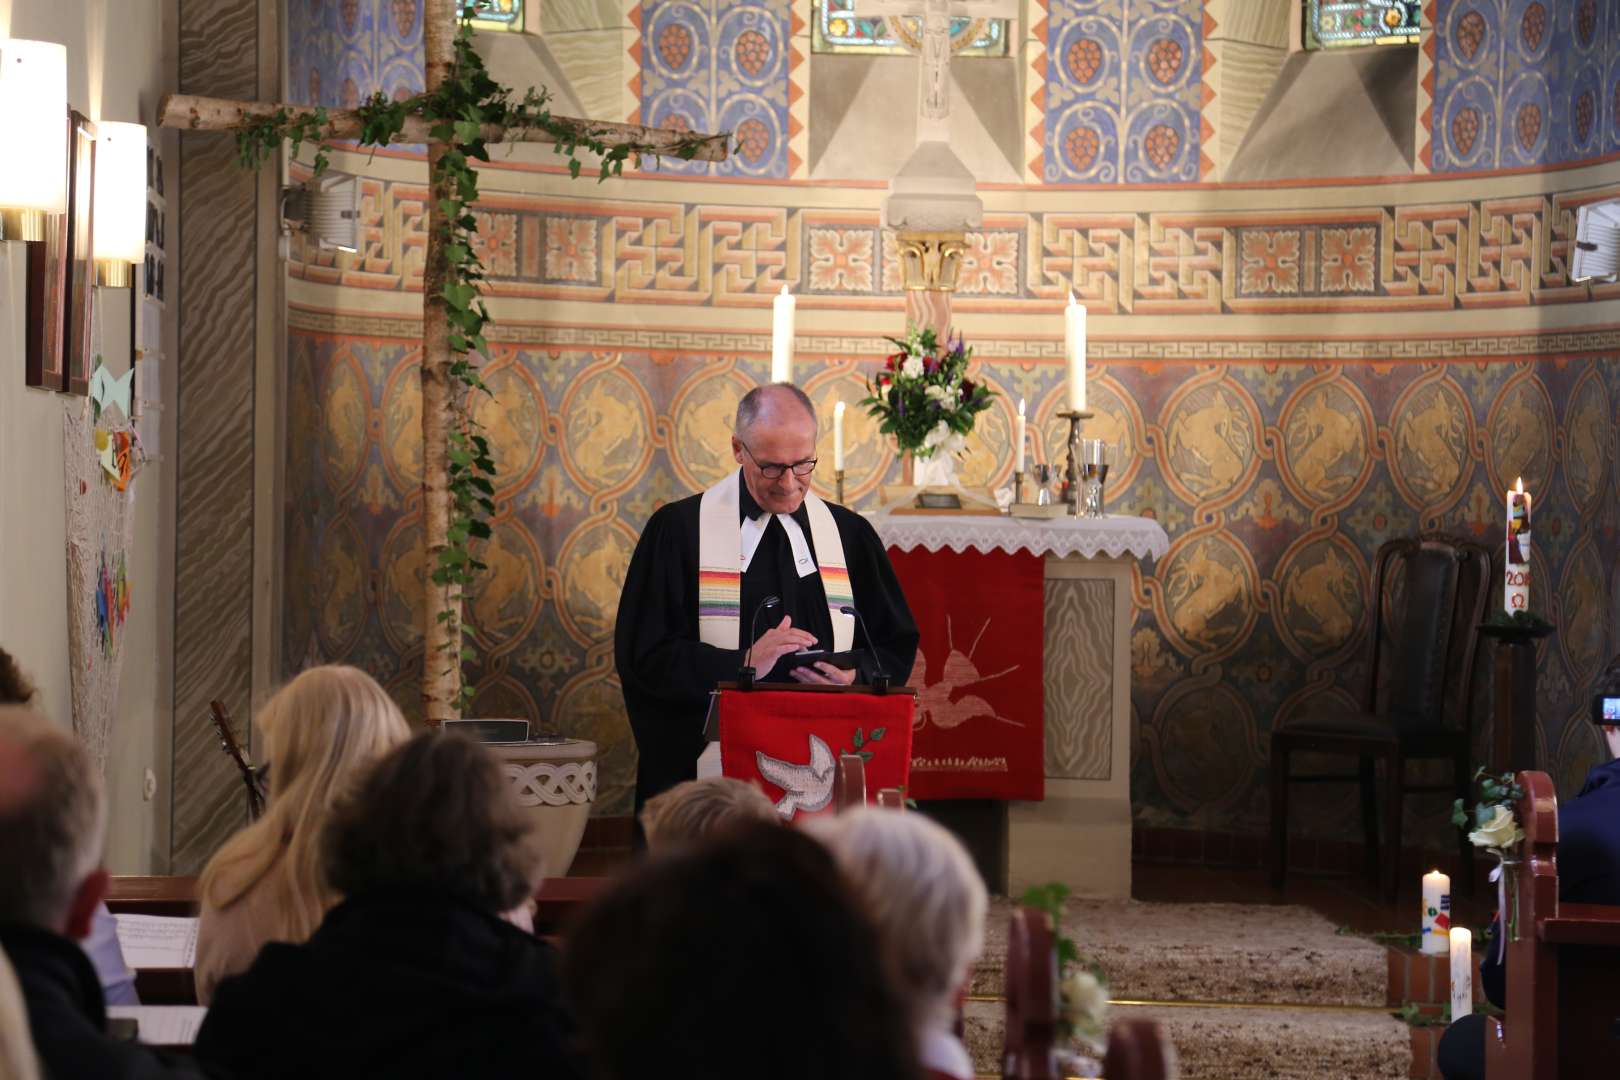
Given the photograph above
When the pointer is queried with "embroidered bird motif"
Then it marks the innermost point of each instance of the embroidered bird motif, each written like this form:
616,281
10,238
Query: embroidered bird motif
804,787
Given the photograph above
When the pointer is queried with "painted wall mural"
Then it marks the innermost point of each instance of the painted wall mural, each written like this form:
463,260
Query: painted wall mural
1417,256
1275,481
340,52
1523,82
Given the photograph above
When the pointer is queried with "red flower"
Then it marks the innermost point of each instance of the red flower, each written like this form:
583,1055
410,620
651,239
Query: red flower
967,389
894,361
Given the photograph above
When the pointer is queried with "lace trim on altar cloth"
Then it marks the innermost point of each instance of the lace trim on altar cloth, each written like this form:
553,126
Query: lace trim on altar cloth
1111,537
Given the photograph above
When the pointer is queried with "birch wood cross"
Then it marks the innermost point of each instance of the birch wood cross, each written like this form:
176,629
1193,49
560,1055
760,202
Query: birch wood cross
441,666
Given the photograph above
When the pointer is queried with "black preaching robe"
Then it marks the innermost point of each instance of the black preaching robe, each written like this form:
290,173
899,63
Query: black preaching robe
667,673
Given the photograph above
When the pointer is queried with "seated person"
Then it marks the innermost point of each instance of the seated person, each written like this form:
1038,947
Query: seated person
117,981
746,955
17,1060
265,884
694,810
921,890
1588,873
415,973
52,820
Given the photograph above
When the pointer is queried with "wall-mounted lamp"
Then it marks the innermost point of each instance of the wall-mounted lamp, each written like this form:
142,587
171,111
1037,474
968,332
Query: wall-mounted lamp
1597,242
120,209
33,161
326,210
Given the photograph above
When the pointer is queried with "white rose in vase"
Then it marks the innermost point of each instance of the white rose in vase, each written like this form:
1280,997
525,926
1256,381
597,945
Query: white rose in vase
1500,832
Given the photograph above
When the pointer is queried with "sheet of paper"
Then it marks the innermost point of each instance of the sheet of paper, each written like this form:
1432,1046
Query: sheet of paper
157,941
162,1025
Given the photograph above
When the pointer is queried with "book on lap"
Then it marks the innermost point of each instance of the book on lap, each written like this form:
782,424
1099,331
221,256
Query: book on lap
157,941
162,1025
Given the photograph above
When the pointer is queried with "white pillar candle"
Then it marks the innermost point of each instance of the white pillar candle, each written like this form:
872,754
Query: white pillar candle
1436,912
1462,972
1074,349
838,436
1018,439
1516,567
782,337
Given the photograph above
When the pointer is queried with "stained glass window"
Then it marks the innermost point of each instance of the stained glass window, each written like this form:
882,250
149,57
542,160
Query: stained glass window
1332,24
839,28
494,14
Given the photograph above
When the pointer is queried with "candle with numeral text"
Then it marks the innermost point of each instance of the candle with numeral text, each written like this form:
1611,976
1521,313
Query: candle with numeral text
1516,582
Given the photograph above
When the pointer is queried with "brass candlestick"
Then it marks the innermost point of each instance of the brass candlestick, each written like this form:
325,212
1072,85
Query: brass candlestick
1018,487
838,486
1071,470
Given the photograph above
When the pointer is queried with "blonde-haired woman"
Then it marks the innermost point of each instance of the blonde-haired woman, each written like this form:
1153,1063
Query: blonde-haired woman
320,731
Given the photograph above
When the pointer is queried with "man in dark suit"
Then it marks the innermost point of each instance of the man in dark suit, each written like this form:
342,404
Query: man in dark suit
1588,873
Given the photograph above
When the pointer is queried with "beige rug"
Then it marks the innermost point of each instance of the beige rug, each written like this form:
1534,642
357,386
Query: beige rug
1245,1044
1247,953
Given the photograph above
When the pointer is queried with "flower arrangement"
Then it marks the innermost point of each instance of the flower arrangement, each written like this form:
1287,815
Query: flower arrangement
1497,830
1082,984
923,396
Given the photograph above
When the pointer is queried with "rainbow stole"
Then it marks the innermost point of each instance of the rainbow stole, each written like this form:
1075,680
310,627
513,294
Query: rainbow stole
720,567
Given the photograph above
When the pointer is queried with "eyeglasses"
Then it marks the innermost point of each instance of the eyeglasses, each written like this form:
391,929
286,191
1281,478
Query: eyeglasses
771,470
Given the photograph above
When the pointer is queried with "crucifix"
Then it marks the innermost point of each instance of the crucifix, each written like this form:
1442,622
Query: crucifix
934,46
441,677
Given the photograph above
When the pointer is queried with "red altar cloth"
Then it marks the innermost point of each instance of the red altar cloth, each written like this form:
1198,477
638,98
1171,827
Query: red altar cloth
979,731
800,734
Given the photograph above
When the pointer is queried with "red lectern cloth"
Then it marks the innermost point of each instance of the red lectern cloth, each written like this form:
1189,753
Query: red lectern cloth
789,741
980,731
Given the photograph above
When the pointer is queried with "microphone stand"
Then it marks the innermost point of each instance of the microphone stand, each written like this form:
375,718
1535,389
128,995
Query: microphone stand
880,678
745,674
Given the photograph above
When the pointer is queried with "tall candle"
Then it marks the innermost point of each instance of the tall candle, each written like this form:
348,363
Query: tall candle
1018,439
782,337
1074,349
1436,912
838,436
1516,567
1462,972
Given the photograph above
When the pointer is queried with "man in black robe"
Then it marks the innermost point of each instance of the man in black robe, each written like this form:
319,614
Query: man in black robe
665,667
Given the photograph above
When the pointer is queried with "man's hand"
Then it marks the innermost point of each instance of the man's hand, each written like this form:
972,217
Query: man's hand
777,642
824,674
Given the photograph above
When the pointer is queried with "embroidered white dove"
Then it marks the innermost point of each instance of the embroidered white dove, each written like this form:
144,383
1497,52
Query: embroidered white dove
804,787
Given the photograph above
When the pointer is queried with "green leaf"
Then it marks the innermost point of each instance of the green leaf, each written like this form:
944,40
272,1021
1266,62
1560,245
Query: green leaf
878,733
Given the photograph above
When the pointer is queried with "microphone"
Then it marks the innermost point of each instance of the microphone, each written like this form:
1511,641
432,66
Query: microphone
880,678
745,674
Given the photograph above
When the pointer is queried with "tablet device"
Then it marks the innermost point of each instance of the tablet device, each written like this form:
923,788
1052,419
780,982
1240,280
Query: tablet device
809,657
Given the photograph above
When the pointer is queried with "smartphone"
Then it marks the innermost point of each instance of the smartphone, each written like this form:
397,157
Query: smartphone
1606,710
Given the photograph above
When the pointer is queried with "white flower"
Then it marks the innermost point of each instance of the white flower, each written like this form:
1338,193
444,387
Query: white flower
936,392
1501,831
940,434
912,368
1083,1001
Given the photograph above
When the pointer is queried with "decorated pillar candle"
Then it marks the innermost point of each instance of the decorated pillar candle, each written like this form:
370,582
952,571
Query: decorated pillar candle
838,436
1018,439
1436,912
782,337
1074,350
1462,972
1516,583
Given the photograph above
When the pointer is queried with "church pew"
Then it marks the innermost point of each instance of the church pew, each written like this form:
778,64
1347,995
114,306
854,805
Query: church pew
1563,1008
1032,999
849,782
1138,1050
131,894
891,798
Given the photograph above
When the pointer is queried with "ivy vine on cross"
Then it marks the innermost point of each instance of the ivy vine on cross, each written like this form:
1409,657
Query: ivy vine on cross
461,111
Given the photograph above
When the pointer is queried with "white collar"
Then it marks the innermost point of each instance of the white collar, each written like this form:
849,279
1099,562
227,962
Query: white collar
753,531
943,1052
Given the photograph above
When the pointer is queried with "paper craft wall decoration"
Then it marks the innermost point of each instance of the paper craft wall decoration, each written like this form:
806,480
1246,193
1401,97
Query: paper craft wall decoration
99,590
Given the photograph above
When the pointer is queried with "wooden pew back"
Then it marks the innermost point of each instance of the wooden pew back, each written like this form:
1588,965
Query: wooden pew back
849,783
1139,1050
1563,1010
1031,988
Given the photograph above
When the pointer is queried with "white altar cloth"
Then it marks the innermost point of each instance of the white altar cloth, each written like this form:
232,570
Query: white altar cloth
1113,537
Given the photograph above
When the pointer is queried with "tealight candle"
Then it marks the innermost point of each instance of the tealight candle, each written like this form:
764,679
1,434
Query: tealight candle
1462,972
1436,912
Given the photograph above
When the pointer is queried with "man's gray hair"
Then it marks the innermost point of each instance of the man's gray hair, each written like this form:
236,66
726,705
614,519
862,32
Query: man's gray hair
51,823
757,401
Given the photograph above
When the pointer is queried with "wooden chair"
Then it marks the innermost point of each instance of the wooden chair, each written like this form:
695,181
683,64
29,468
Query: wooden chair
1563,1007
849,783
1032,999
1419,707
1139,1050
891,798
